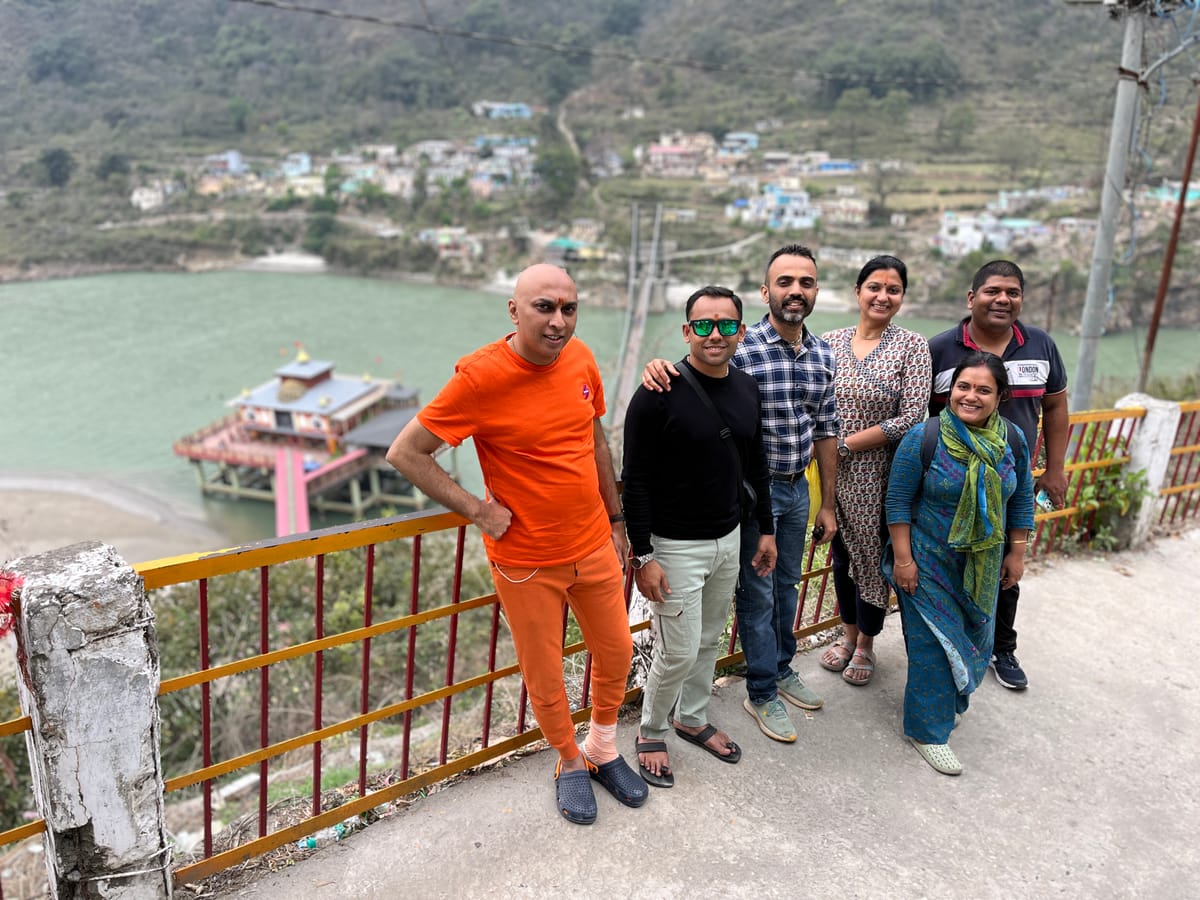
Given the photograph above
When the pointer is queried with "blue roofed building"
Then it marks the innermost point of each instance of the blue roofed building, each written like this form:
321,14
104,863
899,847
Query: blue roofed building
296,164
231,162
739,143
307,399
777,209
493,109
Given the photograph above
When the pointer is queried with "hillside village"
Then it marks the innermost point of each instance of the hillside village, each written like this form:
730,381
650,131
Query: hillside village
752,188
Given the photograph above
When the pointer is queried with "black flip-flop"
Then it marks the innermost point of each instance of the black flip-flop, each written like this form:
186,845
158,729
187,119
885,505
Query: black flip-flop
666,778
734,754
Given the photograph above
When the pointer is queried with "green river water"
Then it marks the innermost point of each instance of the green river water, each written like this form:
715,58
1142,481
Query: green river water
101,374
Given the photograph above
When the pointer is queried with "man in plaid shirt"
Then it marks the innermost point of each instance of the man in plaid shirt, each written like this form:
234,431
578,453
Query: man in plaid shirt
794,369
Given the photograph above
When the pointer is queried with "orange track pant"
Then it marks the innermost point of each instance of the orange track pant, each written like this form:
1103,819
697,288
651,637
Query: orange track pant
533,600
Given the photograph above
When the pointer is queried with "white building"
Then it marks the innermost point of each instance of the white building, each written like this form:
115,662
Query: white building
148,197
776,209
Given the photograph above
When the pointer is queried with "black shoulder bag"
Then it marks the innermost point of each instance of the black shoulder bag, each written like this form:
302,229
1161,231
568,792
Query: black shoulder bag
749,496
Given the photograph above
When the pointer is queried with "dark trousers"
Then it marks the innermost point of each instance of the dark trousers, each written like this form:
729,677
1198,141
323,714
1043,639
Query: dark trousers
1006,616
867,618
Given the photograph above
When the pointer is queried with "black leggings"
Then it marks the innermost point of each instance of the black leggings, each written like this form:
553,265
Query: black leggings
867,618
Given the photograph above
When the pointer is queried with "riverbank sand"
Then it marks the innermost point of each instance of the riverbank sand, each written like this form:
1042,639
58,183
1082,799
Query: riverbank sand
40,514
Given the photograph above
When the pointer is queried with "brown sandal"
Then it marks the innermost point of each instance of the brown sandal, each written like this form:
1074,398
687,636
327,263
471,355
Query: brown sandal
841,645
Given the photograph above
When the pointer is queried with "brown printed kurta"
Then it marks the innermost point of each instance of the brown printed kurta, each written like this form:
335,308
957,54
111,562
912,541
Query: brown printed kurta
889,388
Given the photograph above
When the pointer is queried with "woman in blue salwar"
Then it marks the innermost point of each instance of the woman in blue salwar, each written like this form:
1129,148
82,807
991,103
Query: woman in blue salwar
959,524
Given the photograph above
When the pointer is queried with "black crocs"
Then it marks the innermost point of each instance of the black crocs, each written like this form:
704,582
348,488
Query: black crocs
573,791
620,781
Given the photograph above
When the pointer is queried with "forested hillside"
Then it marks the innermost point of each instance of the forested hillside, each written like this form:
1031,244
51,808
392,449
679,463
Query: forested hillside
149,77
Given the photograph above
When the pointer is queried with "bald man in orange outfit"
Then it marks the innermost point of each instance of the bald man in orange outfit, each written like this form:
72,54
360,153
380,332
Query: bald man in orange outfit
551,521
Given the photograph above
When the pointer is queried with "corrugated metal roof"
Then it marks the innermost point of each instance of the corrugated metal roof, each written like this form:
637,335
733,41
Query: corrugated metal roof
305,369
381,430
324,398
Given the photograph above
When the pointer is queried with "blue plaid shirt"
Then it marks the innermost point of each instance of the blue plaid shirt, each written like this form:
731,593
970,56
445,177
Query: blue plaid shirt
796,393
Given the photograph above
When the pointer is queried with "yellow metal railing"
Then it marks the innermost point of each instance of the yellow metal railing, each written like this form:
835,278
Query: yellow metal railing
1181,488
201,567
1099,440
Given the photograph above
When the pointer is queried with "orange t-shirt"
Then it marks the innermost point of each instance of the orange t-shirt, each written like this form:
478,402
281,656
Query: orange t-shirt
533,431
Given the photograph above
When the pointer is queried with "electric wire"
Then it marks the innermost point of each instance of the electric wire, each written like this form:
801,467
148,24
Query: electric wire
601,52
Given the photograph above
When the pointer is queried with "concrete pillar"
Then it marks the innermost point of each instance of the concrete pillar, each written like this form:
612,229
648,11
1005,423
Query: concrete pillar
89,680
1150,451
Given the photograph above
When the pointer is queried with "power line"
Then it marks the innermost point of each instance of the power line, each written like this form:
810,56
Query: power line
441,38
574,50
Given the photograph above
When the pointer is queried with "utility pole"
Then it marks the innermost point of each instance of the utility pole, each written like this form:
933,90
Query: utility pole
1164,280
1095,306
1132,73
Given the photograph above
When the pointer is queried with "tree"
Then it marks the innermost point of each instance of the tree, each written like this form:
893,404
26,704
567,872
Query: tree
623,17
1021,150
324,204
955,127
239,109
66,58
112,164
883,179
562,76
371,197
894,109
321,228
854,115
559,169
399,75
420,189
924,69
334,176
57,166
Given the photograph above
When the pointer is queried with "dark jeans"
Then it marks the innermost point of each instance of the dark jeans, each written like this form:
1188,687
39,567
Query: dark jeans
1006,616
867,618
766,606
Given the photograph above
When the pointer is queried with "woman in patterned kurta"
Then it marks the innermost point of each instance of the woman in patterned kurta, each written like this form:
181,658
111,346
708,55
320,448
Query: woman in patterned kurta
882,387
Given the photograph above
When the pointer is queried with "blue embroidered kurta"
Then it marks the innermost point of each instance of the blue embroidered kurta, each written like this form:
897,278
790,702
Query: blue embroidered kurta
949,658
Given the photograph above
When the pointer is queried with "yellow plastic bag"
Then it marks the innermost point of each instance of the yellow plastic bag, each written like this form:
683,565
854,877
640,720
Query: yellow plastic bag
813,475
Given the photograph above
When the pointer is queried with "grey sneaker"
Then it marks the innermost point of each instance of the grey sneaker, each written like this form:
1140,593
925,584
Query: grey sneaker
772,719
797,693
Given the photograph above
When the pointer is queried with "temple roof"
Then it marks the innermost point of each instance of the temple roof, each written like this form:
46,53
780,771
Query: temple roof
324,398
304,368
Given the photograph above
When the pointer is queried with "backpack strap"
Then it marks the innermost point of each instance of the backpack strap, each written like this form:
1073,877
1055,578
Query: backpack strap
726,434
929,439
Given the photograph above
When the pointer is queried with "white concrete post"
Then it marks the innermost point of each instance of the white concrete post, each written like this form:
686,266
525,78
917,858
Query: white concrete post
1150,451
89,680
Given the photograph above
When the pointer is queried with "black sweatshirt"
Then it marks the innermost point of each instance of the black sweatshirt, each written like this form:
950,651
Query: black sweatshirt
680,479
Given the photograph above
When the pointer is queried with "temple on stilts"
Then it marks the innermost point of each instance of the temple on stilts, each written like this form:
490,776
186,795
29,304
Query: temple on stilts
309,439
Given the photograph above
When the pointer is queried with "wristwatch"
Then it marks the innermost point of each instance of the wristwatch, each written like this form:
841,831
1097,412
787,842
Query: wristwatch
638,561
843,450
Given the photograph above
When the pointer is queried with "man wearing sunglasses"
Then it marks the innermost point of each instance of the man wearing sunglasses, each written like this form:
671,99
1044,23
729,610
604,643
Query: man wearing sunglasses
683,469
551,521
794,370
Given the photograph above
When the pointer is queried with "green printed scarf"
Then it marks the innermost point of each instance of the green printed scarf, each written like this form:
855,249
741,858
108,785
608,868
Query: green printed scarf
978,525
